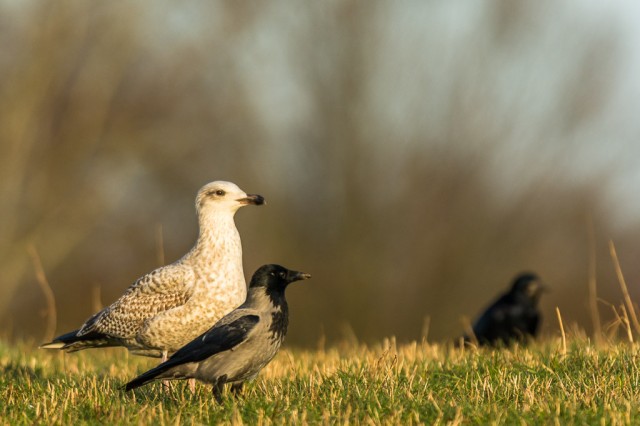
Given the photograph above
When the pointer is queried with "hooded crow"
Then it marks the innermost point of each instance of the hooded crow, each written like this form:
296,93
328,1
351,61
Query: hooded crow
514,316
170,306
238,346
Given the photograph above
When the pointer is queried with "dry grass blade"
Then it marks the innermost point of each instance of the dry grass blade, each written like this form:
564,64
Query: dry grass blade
564,336
468,329
96,300
623,286
426,325
627,323
160,244
593,295
613,326
41,278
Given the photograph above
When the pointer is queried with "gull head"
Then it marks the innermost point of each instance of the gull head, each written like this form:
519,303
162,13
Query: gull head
224,196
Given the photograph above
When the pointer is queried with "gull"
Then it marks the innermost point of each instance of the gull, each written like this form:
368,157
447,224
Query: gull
168,307
238,346
514,316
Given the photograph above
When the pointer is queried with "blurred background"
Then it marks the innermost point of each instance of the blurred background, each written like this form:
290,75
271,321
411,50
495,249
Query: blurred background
415,155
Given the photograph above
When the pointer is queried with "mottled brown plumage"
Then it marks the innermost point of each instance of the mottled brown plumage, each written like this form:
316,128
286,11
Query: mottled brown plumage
170,306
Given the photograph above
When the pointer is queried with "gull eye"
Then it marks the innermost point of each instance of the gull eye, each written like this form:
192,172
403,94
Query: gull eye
220,192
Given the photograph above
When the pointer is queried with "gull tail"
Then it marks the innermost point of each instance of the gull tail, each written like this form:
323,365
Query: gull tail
61,341
71,342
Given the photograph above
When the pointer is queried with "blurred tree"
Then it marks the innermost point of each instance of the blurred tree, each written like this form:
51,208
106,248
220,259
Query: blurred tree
413,156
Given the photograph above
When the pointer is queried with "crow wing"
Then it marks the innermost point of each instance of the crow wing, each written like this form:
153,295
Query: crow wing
228,333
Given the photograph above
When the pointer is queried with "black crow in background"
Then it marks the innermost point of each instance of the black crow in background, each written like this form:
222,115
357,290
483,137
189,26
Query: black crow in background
514,316
238,346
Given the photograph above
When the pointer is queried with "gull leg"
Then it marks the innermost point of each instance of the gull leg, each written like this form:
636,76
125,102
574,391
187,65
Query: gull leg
166,386
192,385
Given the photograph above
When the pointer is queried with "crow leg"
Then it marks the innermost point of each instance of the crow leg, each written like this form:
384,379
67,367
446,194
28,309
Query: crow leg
218,387
236,388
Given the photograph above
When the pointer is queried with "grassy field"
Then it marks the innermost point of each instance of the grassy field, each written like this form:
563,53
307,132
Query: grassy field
385,383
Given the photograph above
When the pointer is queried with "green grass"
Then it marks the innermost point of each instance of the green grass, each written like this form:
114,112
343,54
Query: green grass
414,383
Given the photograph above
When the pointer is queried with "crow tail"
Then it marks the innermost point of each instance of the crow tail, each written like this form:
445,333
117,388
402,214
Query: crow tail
145,378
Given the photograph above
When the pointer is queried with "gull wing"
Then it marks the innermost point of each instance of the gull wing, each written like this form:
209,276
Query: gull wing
160,290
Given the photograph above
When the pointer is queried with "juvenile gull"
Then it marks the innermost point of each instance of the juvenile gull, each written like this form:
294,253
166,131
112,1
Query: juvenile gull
171,305
514,316
237,347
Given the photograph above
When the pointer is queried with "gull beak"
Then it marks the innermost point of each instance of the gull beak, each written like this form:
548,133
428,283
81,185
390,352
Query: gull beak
255,199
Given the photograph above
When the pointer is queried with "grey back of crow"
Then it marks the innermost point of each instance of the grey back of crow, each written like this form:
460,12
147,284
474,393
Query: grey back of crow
238,346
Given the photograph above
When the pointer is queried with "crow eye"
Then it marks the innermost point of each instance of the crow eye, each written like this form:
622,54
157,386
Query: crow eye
282,275
273,274
220,192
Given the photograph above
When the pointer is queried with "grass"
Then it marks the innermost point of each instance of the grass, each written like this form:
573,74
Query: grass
385,383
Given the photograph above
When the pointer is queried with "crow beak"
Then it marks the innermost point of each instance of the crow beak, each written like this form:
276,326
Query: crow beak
294,276
540,288
255,199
